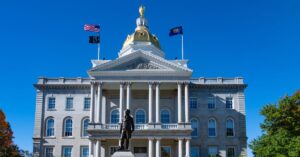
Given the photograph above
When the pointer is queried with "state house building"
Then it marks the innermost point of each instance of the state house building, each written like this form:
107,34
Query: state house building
175,115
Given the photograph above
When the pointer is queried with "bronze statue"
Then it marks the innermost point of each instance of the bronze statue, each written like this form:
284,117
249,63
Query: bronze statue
126,129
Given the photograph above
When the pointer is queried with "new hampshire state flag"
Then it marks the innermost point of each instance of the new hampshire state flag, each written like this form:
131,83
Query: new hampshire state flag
176,31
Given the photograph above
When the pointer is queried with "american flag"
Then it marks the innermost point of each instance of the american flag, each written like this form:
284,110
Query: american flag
92,28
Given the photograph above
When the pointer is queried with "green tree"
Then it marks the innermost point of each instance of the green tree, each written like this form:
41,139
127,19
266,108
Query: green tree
281,129
7,147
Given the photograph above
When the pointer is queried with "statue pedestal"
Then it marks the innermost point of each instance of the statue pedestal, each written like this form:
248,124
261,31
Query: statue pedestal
123,154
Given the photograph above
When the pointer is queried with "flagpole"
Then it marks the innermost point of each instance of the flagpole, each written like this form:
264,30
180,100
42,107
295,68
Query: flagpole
99,47
182,52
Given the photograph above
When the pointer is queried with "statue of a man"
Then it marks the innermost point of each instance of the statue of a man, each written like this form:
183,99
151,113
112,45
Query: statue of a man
126,129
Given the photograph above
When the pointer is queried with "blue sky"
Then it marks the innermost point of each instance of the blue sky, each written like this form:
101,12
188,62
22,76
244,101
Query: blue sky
256,39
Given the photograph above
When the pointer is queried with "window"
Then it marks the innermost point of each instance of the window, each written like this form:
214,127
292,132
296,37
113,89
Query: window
212,151
67,152
211,102
85,124
230,152
140,117
68,127
84,152
114,117
194,152
165,116
69,104
140,150
193,103
87,103
165,151
229,102
194,123
51,103
211,128
229,127
49,152
50,127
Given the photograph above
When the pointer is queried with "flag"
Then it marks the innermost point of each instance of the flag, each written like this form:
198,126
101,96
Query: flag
176,31
92,28
94,39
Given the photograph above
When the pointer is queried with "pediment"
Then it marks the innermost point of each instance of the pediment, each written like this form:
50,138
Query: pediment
137,64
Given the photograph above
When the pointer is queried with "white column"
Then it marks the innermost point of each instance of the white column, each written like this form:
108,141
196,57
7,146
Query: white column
97,148
150,147
157,148
180,143
157,99
186,102
99,102
92,111
103,111
150,103
179,96
121,103
187,148
91,144
128,95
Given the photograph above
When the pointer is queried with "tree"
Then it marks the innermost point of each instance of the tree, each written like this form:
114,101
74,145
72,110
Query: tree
7,147
281,129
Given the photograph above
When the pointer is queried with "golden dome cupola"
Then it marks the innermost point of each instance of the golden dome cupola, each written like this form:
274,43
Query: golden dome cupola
141,38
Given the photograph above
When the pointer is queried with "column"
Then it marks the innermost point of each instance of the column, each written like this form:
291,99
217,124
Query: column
99,103
97,148
157,148
91,144
157,98
187,148
150,103
121,102
179,96
186,102
103,111
180,143
128,95
150,147
92,111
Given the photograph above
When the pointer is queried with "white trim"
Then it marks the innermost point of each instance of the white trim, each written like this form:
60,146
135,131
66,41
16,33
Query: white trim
216,130
46,127
64,127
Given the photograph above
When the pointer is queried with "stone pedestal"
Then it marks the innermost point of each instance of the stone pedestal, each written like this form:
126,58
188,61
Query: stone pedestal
122,154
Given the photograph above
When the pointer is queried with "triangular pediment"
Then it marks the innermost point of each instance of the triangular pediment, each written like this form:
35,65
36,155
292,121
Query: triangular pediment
139,63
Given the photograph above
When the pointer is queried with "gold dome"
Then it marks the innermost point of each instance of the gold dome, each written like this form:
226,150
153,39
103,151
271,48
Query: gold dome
142,33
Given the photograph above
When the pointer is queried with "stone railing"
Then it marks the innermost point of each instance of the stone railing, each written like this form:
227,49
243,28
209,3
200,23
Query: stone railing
169,126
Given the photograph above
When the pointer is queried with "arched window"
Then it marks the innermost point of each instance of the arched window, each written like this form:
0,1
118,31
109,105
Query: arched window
212,128
85,124
165,116
114,117
68,127
229,127
140,117
50,127
195,125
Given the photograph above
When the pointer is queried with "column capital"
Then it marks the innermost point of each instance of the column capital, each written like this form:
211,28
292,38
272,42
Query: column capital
186,82
179,83
180,138
158,138
93,82
128,83
122,83
187,138
99,83
151,83
150,138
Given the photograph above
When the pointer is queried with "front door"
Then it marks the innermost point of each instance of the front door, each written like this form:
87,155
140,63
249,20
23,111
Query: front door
140,152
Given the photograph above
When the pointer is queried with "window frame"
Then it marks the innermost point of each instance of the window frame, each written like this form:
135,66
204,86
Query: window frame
83,127
65,127
190,102
233,132
228,151
47,127
48,105
208,148
232,105
118,116
213,98
67,107
84,104
198,151
215,127
81,150
169,117
63,148
166,147
47,147
197,131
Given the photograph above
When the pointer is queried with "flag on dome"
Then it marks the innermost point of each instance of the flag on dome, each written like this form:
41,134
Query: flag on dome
92,28
176,31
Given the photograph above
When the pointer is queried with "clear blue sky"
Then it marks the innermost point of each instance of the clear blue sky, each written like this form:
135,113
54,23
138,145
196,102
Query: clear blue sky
259,40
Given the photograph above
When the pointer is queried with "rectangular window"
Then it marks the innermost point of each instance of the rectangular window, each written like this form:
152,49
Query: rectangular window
87,103
165,152
230,152
51,103
193,103
69,104
212,151
49,152
229,132
229,102
67,151
211,102
211,132
84,152
194,152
